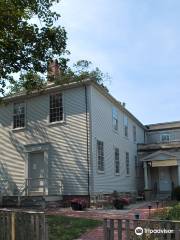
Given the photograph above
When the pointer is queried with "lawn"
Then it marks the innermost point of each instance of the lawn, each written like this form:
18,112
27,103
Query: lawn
68,228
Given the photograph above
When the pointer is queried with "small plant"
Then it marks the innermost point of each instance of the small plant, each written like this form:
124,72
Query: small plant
118,204
176,193
78,204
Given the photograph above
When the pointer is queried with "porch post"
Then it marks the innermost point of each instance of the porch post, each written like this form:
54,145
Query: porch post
178,175
146,185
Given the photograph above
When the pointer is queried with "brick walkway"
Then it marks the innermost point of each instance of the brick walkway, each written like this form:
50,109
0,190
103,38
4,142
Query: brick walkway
97,234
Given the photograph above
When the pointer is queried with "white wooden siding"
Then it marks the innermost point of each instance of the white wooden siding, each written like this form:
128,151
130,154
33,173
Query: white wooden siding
67,156
102,129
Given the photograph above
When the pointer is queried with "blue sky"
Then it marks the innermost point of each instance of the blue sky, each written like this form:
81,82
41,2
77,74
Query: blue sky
138,43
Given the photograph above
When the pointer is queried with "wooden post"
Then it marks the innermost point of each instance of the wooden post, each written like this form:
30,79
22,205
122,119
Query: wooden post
119,229
127,230
112,229
105,229
177,231
13,226
46,229
168,226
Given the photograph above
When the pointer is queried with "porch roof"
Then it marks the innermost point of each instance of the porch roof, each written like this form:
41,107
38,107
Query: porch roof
161,158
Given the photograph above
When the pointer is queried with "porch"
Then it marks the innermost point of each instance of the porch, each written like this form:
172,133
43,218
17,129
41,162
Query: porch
161,173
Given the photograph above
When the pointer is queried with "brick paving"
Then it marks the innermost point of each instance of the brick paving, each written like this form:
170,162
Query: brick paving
100,214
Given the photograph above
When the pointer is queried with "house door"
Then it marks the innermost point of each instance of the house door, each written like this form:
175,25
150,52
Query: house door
36,172
164,179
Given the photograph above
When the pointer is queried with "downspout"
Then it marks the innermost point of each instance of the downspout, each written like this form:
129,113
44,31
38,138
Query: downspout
87,141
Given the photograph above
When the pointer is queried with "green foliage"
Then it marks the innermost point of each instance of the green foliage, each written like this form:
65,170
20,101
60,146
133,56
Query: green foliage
28,82
176,193
82,70
25,46
66,228
169,213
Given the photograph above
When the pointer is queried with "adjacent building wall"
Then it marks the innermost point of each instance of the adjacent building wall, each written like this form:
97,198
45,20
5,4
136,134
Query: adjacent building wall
102,129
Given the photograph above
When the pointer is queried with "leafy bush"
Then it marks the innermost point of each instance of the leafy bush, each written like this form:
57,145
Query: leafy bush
78,204
174,212
118,204
176,193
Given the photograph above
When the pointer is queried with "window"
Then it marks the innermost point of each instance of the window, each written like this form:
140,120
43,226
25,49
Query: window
165,137
134,133
125,126
19,115
100,156
56,108
127,164
136,166
115,118
116,161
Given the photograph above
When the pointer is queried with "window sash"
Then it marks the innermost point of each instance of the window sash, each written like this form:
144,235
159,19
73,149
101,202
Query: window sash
116,160
165,137
126,126
100,156
56,108
19,115
115,119
127,164
134,134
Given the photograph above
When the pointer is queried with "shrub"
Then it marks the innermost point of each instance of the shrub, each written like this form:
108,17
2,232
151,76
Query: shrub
78,204
118,204
176,193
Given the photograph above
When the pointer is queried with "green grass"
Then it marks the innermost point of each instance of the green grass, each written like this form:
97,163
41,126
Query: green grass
68,228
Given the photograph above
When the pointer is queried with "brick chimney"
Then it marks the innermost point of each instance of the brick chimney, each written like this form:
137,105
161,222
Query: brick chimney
53,70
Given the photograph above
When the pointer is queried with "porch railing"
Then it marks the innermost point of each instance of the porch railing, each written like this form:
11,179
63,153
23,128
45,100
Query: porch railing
141,229
41,185
10,188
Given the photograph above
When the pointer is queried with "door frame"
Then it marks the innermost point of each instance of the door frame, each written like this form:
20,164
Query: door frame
33,148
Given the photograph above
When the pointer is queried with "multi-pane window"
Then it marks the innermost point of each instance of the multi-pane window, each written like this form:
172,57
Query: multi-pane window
165,137
136,166
115,119
100,156
19,115
125,126
127,164
116,161
134,133
56,108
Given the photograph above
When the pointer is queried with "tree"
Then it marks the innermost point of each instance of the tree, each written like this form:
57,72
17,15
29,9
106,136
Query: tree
24,46
81,70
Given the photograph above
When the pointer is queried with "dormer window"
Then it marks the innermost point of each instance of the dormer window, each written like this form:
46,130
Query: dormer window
165,137
56,108
19,115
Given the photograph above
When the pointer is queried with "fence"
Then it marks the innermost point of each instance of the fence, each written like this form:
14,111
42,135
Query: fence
23,226
141,229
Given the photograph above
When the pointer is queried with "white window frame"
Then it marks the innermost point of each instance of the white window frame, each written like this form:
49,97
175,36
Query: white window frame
115,119
62,99
116,160
134,133
165,135
127,162
136,166
125,120
100,156
13,125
